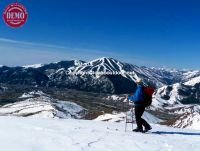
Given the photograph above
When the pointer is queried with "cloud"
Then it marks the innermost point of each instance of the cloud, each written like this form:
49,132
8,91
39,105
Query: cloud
14,52
43,45
51,47
5,40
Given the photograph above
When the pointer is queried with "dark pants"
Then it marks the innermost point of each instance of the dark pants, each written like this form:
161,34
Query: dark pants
139,110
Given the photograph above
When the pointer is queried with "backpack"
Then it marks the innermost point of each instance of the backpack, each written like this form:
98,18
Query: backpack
148,92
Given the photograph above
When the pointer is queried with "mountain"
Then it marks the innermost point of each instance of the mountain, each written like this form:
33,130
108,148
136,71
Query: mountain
109,75
51,68
105,75
182,102
193,81
188,117
189,75
22,76
32,75
178,93
38,104
82,77
97,90
102,75
103,65
168,101
157,77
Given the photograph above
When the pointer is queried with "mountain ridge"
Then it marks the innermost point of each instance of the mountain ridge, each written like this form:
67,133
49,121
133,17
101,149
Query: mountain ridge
61,74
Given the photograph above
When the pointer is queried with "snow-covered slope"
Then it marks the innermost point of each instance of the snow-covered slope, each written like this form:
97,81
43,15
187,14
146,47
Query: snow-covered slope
178,100
189,116
120,117
32,94
176,94
33,66
193,81
56,67
25,134
42,106
188,75
190,121
102,65
167,96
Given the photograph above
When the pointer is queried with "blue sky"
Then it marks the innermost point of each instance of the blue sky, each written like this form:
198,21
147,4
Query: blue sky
142,32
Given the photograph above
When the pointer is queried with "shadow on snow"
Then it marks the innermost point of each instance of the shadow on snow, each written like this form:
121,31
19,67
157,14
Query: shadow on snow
179,133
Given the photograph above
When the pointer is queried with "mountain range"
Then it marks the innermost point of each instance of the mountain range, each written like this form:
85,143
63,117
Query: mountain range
99,85
92,76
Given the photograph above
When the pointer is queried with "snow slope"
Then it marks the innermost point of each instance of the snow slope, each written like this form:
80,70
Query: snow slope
120,117
42,106
33,66
178,93
189,117
193,81
188,75
27,134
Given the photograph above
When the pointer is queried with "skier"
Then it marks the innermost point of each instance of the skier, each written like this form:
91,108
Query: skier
138,98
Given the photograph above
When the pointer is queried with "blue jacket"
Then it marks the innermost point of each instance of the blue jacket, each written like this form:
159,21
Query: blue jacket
138,97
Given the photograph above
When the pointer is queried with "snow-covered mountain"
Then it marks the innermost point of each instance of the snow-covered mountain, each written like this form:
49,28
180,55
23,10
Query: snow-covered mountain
28,134
179,100
88,75
189,75
56,65
82,77
79,72
174,88
106,65
38,104
158,77
193,81
189,116
22,76
178,93
52,68
106,75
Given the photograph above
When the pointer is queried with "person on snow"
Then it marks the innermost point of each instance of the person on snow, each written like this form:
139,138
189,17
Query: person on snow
138,98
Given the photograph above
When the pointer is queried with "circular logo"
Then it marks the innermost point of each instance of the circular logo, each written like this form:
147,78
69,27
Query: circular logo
15,15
